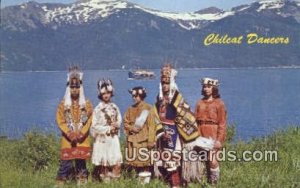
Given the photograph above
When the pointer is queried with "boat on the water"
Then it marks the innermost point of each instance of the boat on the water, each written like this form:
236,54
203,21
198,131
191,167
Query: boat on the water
141,74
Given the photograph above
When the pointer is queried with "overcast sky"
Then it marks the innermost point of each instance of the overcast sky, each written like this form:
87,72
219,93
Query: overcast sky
165,5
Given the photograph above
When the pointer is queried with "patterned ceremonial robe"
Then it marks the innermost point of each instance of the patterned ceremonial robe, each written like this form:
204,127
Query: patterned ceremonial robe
167,115
177,118
106,148
78,120
179,112
144,137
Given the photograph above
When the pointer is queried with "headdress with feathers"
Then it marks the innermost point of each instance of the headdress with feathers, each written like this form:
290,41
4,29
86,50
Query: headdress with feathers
74,73
105,85
168,74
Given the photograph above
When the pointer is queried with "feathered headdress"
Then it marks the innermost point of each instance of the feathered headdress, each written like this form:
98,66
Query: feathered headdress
74,73
105,85
168,75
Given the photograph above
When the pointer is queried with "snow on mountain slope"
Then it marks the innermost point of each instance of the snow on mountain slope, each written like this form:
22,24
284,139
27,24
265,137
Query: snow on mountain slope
284,8
188,20
188,16
85,11
270,4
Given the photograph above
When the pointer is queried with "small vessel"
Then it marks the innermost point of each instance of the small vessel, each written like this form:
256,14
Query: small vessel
141,74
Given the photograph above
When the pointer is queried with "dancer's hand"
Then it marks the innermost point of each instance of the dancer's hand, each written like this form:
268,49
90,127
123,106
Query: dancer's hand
113,130
115,125
135,130
166,136
72,136
80,137
151,145
217,145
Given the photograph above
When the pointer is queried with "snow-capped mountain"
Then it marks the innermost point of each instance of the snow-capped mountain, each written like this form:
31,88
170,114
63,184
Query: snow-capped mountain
96,10
47,36
86,11
270,4
90,10
283,8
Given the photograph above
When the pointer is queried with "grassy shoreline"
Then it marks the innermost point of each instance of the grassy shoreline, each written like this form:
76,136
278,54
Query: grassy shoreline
16,172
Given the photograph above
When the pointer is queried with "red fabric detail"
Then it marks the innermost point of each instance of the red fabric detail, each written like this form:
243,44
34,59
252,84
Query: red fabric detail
75,153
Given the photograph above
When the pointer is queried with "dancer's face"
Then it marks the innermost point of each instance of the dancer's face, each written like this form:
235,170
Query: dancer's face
165,87
136,99
106,97
75,88
207,90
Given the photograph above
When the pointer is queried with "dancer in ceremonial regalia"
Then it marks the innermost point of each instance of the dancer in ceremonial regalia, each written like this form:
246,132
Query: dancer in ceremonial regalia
178,130
211,118
74,119
106,123
139,129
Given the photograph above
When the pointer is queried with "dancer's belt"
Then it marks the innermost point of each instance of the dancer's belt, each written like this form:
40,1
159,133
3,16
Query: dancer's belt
201,122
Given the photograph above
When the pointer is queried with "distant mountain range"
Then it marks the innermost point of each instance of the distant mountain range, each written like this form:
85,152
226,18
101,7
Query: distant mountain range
103,34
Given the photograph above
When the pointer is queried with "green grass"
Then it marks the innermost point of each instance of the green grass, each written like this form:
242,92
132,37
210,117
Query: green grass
283,173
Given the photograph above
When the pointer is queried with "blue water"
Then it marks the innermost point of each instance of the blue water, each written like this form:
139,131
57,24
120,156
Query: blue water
259,101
